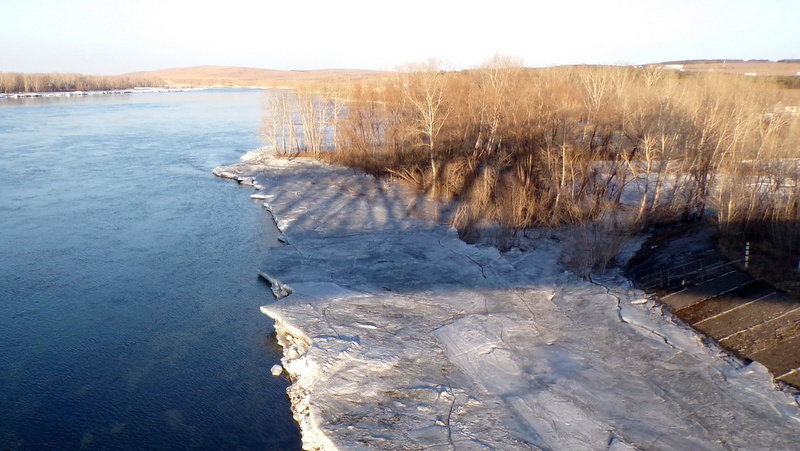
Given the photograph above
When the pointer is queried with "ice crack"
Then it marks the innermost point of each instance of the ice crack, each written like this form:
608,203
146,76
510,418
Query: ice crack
609,293
483,271
450,412
625,321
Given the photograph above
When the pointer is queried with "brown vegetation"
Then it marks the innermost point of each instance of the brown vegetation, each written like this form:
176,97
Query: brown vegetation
227,76
14,82
570,145
762,68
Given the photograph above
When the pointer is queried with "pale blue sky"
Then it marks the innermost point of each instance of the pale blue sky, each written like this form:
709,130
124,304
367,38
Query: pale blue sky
112,37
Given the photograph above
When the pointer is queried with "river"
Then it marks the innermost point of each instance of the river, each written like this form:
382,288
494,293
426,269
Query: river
128,276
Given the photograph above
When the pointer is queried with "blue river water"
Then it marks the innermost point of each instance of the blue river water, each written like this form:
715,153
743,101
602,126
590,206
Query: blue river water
128,277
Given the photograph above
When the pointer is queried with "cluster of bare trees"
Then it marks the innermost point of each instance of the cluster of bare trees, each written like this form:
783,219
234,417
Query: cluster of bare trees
302,121
562,145
13,82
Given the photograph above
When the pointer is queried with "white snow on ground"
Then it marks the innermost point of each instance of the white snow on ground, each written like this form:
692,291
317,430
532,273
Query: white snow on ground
397,335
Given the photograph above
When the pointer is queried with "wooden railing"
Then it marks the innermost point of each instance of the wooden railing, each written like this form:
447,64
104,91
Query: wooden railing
691,273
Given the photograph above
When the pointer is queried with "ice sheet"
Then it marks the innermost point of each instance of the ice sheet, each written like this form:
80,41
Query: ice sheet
398,335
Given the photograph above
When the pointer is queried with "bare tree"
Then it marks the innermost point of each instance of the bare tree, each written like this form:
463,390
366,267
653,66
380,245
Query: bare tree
311,108
495,82
424,87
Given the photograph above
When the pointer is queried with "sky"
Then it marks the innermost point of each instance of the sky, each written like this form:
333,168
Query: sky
108,37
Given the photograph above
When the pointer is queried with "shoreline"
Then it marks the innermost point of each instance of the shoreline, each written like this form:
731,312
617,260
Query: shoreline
398,334
104,92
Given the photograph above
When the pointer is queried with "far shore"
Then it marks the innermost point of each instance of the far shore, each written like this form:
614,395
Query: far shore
105,92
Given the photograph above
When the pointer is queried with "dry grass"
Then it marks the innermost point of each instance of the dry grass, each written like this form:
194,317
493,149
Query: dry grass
595,245
227,76
570,145
754,67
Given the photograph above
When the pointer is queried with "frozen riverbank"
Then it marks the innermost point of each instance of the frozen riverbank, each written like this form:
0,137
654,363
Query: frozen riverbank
399,335
106,92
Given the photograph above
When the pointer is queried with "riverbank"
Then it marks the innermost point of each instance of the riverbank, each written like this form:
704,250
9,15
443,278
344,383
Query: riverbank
398,335
22,95
753,319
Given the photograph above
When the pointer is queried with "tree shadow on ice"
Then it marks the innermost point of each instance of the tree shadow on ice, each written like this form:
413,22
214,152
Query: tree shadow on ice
348,228
421,308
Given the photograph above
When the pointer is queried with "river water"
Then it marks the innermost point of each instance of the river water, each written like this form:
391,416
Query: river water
128,292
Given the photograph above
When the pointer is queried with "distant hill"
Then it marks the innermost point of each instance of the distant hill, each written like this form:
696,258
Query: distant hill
227,76
786,67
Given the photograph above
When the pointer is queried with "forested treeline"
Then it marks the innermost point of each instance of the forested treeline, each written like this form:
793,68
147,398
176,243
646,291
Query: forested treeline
14,82
567,145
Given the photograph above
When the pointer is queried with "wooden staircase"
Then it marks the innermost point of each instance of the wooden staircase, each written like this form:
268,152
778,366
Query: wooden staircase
744,315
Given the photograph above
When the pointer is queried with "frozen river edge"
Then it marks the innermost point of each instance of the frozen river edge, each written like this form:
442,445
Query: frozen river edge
398,335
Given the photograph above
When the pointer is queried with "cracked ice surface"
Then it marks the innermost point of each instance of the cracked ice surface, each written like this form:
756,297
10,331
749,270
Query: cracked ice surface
399,336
